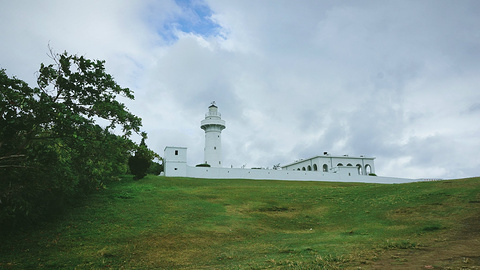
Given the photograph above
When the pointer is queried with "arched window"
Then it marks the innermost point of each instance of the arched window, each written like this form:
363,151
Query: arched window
368,169
309,168
303,168
339,164
325,167
349,164
298,169
359,168
315,167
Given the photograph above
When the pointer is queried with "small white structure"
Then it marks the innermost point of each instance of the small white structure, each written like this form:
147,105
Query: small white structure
213,126
318,168
177,161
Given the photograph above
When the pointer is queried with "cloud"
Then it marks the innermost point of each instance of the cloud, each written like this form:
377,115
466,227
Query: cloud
395,80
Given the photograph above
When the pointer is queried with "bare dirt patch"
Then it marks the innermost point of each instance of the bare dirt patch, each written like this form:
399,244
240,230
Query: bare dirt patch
457,249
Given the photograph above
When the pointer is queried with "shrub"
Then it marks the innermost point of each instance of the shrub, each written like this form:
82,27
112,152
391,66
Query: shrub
155,168
203,165
138,166
140,162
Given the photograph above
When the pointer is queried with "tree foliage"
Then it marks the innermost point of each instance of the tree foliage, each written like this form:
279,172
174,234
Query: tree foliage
140,162
51,147
155,168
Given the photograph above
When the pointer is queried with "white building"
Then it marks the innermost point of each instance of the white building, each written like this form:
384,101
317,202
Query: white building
319,168
328,163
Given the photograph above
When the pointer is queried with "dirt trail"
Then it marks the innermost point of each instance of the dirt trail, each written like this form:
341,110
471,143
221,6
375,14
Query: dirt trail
453,250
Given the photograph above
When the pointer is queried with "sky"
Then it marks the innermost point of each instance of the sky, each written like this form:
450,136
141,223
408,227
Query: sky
395,80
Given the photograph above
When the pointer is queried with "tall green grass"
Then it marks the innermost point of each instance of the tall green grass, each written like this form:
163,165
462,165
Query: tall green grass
178,223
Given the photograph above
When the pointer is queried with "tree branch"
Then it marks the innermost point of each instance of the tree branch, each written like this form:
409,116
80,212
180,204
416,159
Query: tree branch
12,156
14,166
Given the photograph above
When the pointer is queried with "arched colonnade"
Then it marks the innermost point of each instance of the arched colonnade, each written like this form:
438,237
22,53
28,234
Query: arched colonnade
367,169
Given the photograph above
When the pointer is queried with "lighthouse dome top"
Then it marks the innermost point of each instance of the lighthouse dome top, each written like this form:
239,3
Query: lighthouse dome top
213,111
213,119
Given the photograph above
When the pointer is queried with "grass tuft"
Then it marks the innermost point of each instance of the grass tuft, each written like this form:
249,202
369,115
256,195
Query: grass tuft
432,228
401,244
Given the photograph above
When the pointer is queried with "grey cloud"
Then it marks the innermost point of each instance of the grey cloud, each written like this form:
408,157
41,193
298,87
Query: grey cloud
395,80
474,108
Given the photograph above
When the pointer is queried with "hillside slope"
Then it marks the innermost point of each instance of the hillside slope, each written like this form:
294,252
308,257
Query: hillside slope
175,223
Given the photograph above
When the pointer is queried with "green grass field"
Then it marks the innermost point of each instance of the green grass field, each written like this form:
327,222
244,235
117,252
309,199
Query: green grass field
177,223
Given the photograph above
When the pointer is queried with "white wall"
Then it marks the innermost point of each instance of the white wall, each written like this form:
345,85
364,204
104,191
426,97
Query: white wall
175,165
260,174
213,147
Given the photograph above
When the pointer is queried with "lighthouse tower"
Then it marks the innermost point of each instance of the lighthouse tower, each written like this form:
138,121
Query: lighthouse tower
213,126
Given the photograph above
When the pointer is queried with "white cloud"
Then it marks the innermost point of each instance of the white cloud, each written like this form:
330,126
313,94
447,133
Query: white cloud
395,80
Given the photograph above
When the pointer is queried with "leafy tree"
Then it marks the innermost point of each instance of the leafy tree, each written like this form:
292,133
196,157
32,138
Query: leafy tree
155,168
140,162
51,148
72,93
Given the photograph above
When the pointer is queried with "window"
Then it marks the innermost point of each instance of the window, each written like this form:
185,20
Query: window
359,168
176,152
368,169
325,167
214,148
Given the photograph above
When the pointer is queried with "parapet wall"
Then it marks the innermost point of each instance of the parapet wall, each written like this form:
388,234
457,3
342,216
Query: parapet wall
263,174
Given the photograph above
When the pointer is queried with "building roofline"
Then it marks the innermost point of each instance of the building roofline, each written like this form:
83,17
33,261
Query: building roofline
325,156
178,147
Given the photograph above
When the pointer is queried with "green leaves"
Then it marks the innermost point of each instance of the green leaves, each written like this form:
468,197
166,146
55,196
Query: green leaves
51,149
140,162
85,89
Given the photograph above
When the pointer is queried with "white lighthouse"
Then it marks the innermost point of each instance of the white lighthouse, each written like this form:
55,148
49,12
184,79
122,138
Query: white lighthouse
213,126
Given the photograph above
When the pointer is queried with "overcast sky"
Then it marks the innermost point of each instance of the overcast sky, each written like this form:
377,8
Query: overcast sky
397,80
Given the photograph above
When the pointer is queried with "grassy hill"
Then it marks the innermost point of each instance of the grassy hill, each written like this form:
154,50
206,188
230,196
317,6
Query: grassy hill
176,223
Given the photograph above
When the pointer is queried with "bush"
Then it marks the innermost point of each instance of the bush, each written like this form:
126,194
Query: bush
155,168
140,162
138,166
203,165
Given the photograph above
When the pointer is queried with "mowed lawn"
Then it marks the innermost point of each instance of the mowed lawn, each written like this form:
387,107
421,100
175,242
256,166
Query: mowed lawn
178,223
